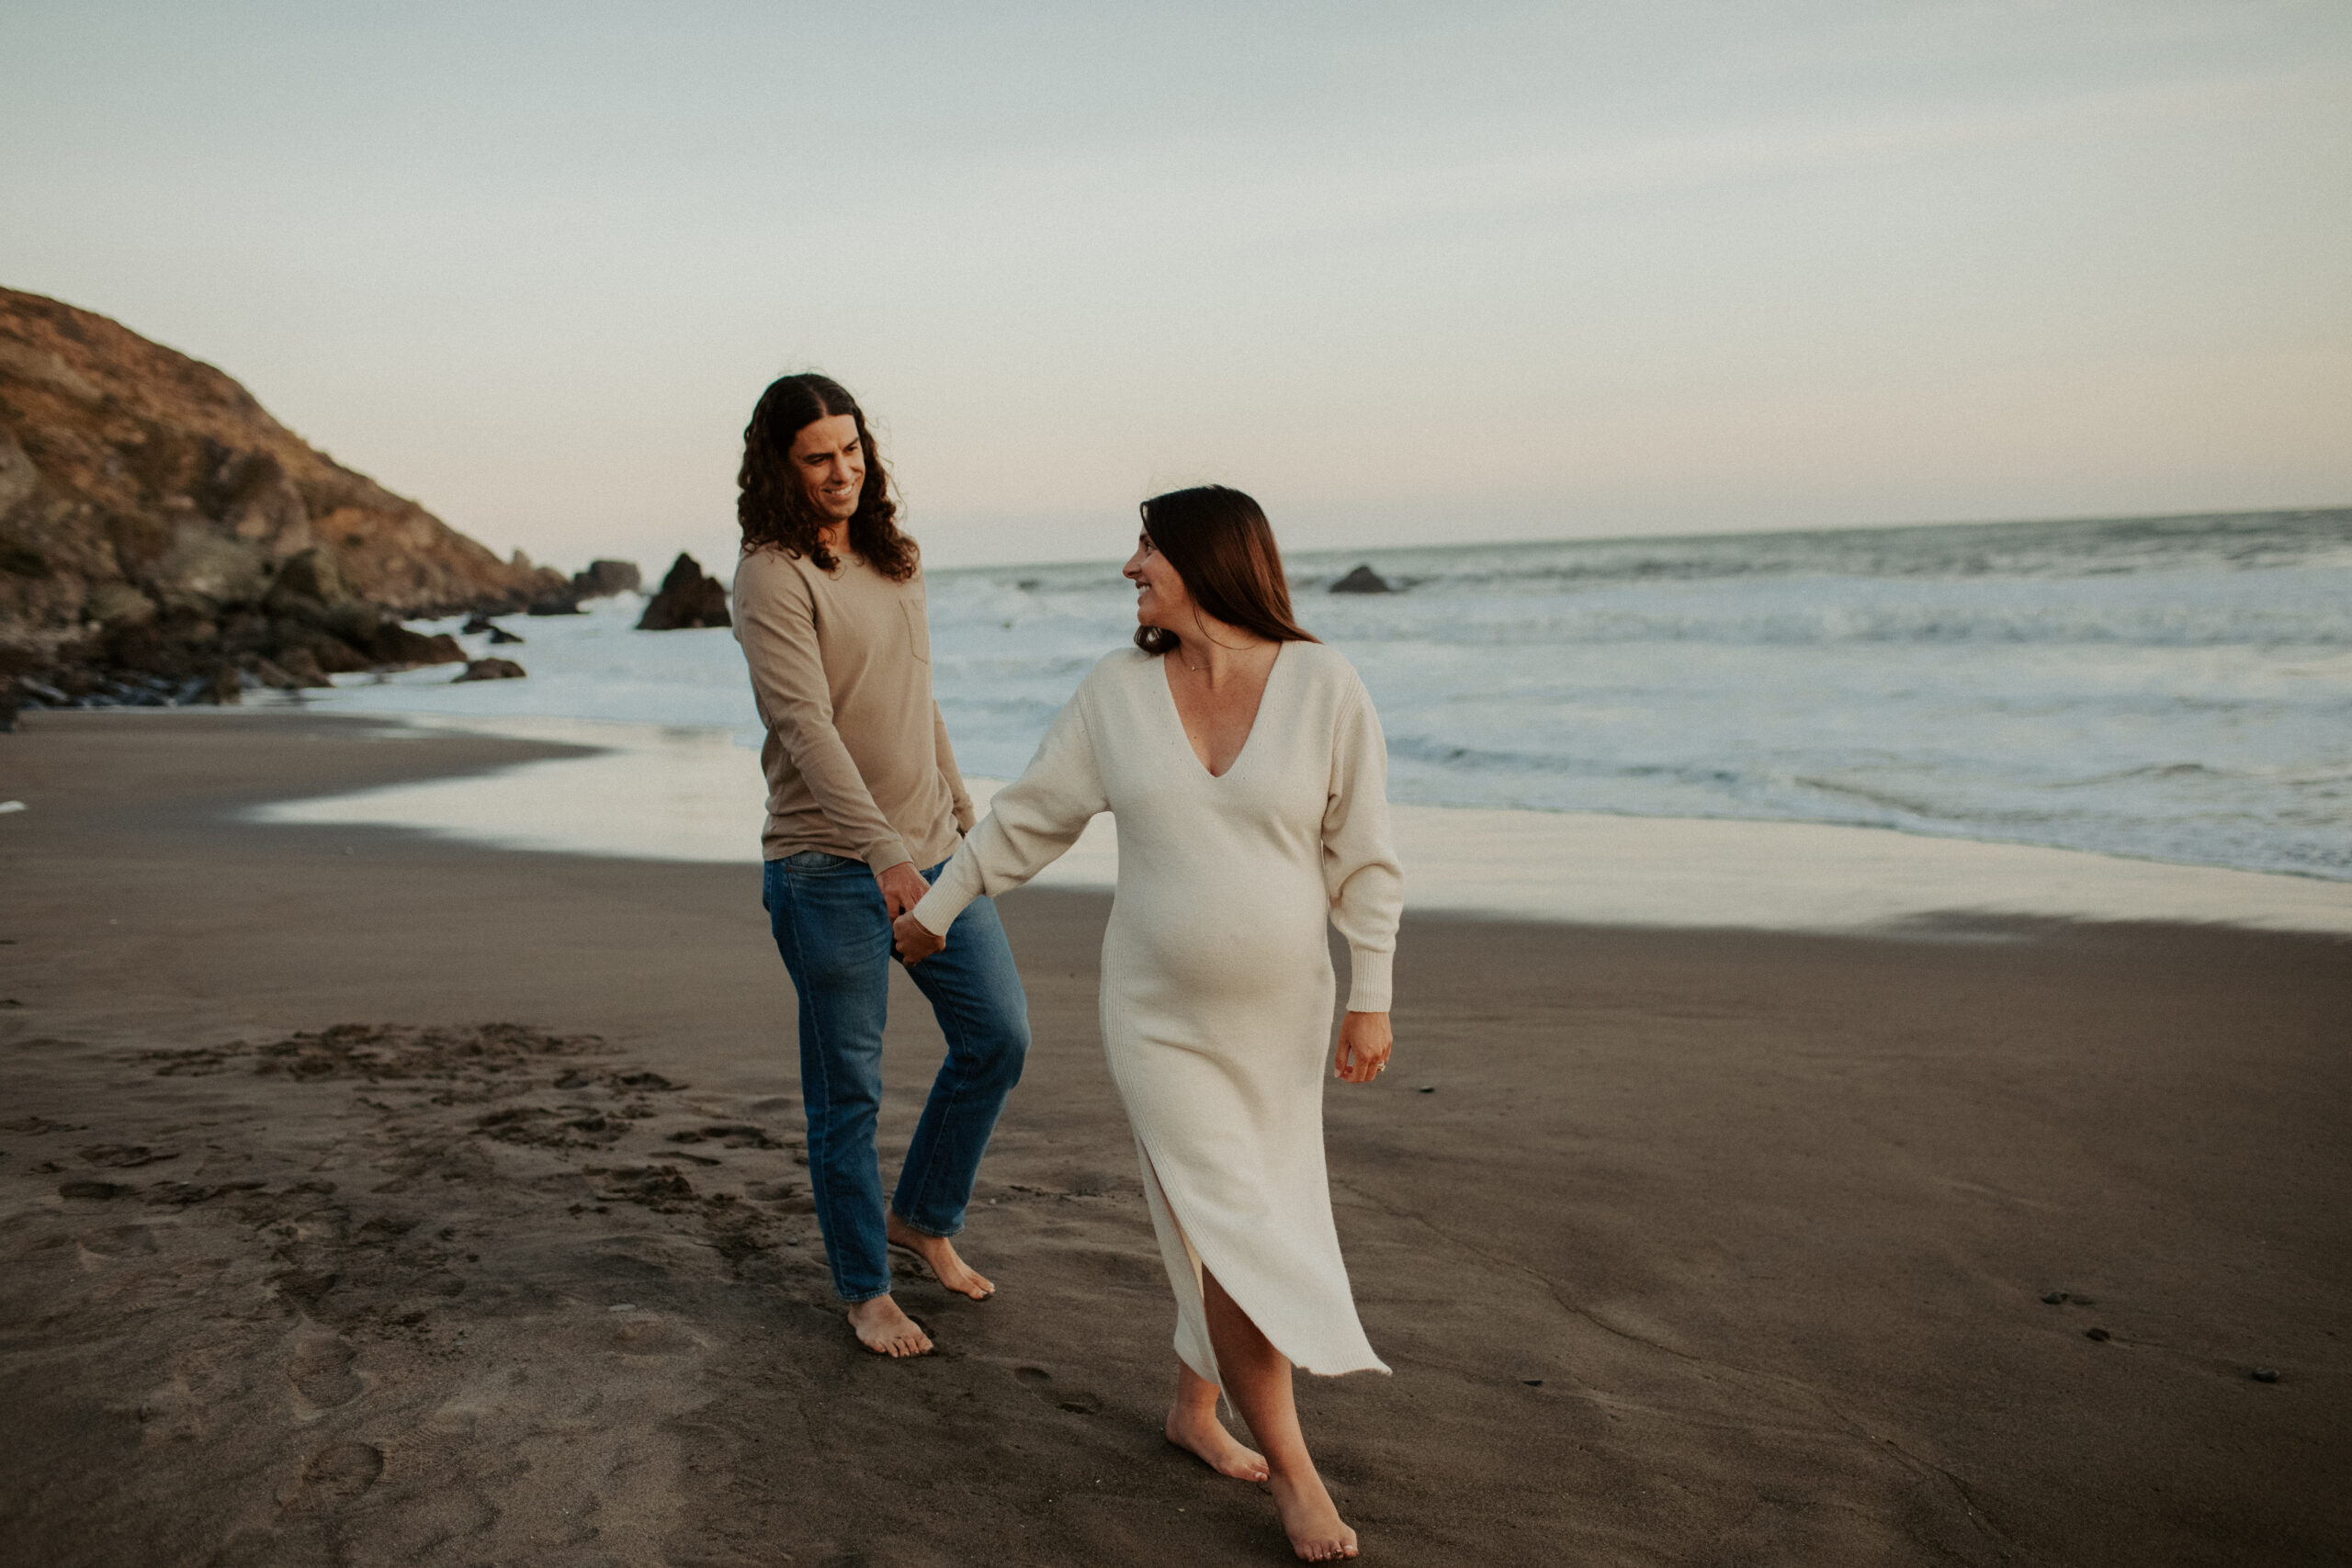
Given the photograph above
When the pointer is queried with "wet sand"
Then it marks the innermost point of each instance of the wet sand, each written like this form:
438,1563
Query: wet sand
1700,1247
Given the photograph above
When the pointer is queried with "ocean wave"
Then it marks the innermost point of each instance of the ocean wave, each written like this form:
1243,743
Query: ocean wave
2062,550
2179,689
2271,597
2070,549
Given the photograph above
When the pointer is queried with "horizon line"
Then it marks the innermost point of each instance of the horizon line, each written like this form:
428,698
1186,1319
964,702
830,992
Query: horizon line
2345,507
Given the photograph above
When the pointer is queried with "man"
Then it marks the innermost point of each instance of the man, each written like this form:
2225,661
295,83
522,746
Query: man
864,805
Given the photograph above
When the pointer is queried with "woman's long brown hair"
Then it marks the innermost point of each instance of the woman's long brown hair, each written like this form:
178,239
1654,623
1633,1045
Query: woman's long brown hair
1221,544
773,504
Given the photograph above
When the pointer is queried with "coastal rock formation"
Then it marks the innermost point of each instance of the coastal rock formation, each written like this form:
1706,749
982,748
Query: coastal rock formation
603,578
1363,580
163,539
491,670
688,599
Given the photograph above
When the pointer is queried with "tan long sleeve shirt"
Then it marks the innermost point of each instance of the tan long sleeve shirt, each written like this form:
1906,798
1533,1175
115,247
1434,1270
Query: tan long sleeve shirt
856,757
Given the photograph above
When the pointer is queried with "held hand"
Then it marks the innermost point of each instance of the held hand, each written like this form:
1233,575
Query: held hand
1364,1044
902,887
913,940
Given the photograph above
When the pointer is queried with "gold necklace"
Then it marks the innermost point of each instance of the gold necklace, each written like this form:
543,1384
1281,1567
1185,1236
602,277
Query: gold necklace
1184,661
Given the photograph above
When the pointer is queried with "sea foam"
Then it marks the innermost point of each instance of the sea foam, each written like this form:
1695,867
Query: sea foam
2172,689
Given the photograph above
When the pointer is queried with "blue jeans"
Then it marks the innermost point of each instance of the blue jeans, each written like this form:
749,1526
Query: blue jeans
834,932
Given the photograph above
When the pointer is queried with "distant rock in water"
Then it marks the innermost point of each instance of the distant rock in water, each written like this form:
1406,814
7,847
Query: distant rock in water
491,670
477,624
162,539
1363,580
564,604
603,578
687,600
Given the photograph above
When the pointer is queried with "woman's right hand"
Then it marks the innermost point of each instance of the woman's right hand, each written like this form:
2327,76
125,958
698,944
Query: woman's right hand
913,940
1365,1046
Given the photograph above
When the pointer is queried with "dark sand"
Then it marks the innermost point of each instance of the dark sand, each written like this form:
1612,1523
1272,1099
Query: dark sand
1714,1247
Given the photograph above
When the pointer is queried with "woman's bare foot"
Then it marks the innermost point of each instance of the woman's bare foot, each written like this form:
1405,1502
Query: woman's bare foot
1311,1520
939,1254
882,1328
1200,1433
1258,1377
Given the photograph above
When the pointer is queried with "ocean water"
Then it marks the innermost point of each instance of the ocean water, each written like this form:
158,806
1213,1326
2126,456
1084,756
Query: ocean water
2175,689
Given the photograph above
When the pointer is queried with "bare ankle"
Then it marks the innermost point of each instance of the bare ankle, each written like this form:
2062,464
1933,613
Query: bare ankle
1195,1427
1193,1406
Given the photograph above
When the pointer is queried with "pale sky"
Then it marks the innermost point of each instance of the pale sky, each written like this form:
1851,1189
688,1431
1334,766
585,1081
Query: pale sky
1406,272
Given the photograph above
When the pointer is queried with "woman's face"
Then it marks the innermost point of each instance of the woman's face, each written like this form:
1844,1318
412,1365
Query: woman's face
1160,596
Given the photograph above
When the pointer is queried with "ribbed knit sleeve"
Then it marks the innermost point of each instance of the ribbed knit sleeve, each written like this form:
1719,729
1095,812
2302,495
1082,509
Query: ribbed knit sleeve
1032,821
1360,871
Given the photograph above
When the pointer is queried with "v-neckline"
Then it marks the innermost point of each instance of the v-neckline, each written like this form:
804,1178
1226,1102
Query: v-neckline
1169,690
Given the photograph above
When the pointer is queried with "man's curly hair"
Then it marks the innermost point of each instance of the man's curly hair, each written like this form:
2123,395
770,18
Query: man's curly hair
774,505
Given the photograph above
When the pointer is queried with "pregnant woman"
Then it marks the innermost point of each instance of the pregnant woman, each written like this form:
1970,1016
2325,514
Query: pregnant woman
1245,767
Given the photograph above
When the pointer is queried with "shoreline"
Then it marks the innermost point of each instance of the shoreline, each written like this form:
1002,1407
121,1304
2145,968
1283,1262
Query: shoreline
1700,1243
1581,868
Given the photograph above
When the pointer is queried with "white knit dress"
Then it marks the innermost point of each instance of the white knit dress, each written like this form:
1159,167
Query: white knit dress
1216,969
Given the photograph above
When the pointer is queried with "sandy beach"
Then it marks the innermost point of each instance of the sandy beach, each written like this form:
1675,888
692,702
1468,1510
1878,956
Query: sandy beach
371,1198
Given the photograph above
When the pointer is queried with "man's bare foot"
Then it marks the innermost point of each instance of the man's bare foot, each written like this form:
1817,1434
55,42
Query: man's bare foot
1310,1519
939,1254
883,1329
1200,1433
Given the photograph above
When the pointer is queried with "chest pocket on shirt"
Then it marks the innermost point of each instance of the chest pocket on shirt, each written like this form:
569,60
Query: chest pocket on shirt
918,628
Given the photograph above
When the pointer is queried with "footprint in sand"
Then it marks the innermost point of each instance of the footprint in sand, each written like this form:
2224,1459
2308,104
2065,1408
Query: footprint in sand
784,1196
118,1241
648,1334
94,1191
127,1157
1077,1401
335,1474
730,1135
320,1372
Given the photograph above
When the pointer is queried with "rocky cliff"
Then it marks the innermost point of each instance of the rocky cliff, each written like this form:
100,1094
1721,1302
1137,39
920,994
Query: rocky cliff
150,509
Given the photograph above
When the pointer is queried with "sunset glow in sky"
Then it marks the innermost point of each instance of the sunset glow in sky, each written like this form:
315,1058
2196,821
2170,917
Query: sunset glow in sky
1407,273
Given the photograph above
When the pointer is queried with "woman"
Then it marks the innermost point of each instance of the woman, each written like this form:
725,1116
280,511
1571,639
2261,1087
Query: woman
1246,769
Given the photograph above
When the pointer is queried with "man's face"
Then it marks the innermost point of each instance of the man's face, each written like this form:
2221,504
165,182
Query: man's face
831,462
